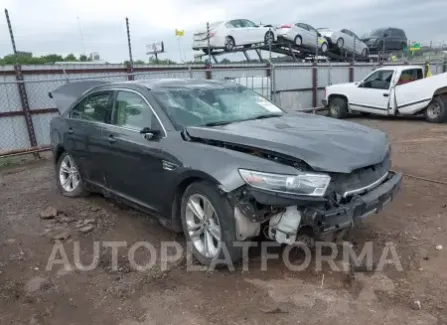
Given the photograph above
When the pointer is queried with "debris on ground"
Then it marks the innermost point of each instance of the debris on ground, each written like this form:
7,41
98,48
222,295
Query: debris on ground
86,229
439,247
35,284
416,305
49,213
63,235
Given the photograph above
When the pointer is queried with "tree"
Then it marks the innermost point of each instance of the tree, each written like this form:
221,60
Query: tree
83,58
70,57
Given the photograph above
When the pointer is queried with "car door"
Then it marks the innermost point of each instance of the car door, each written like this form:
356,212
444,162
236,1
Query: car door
349,40
134,160
373,93
308,40
235,29
252,32
86,121
313,36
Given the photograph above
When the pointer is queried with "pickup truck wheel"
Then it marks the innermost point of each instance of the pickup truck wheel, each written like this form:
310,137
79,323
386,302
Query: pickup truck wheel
338,107
436,111
209,225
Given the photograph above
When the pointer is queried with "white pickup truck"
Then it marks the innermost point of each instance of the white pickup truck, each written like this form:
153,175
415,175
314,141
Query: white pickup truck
392,90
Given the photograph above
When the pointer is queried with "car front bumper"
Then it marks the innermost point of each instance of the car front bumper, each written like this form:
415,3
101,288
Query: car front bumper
304,212
358,209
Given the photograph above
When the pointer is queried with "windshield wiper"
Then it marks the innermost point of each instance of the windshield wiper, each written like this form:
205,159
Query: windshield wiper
217,123
266,116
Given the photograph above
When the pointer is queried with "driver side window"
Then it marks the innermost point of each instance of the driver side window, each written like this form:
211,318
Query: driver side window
379,80
132,111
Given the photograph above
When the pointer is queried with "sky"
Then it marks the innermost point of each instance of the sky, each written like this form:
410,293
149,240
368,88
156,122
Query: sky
85,26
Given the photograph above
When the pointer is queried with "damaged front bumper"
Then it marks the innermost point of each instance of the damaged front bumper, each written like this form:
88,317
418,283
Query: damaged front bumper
301,212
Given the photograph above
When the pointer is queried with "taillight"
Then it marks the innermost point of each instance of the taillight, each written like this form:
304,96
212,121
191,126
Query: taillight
286,26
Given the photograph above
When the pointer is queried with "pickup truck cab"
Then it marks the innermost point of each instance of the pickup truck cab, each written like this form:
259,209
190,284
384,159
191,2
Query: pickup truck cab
392,90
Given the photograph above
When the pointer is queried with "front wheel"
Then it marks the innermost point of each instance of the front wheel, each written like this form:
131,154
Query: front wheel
340,43
69,179
338,107
298,40
324,47
436,111
208,223
269,38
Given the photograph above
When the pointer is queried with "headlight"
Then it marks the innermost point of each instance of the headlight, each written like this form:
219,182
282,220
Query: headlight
311,184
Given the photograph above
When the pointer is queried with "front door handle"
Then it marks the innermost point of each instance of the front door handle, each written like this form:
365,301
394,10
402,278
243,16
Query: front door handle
70,131
385,95
111,139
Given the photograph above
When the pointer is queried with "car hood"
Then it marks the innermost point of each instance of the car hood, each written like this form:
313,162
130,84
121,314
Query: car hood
323,143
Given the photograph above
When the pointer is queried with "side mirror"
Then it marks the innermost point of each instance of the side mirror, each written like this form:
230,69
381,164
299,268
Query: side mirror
319,35
149,134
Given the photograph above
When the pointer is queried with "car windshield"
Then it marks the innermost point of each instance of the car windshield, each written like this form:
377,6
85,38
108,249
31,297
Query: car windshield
374,33
210,105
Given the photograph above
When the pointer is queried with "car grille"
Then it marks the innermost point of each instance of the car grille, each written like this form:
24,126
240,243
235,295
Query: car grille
359,178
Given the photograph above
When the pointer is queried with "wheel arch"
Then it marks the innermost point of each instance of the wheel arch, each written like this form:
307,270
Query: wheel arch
332,96
184,181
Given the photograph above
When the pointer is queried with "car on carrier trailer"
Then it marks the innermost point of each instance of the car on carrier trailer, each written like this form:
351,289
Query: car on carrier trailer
217,161
391,90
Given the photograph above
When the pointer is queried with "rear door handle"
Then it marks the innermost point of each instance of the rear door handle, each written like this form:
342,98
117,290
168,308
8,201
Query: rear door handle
70,131
385,95
111,139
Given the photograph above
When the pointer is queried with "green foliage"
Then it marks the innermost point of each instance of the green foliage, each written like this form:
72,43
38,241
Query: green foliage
27,58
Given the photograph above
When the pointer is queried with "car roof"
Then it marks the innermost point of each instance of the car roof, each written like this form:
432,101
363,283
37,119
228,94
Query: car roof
173,82
400,67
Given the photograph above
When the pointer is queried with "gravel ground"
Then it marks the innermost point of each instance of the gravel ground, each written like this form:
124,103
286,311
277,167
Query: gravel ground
415,223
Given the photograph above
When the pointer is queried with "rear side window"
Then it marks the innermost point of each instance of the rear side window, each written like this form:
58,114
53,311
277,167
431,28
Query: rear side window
97,107
132,111
410,75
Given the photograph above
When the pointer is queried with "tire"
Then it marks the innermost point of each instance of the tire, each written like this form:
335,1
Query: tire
324,47
436,111
338,107
205,51
229,44
298,41
364,53
78,189
226,223
269,38
340,43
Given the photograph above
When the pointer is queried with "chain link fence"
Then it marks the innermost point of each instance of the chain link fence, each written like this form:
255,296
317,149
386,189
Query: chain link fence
292,86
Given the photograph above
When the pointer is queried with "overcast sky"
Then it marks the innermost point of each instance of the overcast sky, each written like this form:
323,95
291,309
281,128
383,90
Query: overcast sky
52,26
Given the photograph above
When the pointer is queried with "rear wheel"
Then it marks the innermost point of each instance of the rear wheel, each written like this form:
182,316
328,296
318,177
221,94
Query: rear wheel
338,107
324,47
340,43
436,111
229,44
69,179
208,223
298,40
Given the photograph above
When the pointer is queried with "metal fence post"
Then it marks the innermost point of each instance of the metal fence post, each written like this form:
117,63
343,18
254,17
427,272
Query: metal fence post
208,73
314,84
351,72
25,105
444,65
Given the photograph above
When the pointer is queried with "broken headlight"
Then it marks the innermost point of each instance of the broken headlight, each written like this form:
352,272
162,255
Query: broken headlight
305,183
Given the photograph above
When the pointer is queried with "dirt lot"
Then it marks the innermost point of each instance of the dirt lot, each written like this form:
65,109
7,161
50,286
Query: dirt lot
416,222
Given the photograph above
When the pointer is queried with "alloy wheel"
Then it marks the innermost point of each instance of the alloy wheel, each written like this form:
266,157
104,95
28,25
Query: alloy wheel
68,174
203,226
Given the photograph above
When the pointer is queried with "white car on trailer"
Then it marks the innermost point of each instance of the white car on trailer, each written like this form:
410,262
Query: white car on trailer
227,35
391,90
344,40
304,35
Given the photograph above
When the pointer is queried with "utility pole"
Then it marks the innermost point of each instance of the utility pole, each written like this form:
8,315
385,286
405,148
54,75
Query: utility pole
208,34
129,45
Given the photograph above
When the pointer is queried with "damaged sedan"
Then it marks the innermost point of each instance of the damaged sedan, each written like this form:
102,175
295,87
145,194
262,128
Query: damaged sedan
218,162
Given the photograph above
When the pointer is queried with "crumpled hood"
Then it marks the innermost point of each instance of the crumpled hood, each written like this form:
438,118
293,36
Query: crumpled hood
326,144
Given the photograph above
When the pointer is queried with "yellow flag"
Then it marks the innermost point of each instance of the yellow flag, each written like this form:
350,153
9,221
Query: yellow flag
428,73
179,32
